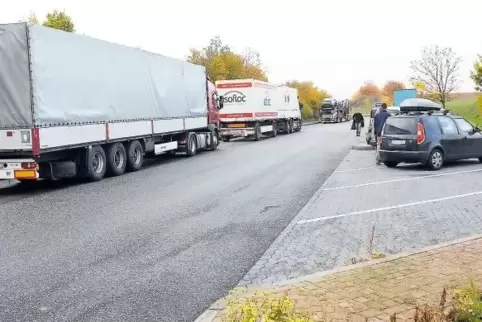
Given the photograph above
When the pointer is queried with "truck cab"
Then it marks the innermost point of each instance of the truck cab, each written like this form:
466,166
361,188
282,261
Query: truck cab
329,110
215,103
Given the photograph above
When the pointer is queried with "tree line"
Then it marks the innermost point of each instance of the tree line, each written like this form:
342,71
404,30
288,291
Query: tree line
435,75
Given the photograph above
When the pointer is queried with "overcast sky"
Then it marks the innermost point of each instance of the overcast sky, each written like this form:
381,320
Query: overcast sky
338,44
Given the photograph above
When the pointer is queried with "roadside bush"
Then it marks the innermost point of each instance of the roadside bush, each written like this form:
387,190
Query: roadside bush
307,112
263,308
468,303
466,307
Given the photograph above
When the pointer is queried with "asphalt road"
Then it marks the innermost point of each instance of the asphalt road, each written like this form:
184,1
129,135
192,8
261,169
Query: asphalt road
161,244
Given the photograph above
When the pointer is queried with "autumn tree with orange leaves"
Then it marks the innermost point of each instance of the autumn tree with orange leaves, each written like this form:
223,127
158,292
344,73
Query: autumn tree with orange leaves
388,89
366,95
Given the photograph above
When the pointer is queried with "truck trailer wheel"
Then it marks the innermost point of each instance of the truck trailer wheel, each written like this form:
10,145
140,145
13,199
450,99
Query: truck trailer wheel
135,156
275,130
300,124
289,126
116,159
257,132
96,163
191,144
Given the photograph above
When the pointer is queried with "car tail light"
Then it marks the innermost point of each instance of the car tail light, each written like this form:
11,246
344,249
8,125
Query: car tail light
420,133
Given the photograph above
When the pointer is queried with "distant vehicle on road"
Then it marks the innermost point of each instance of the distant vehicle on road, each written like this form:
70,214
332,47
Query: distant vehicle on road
75,106
252,108
370,135
424,134
333,111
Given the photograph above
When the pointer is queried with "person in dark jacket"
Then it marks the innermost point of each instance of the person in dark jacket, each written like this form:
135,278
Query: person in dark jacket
358,122
378,123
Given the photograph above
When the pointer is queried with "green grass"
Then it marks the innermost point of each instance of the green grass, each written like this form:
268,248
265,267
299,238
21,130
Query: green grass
466,107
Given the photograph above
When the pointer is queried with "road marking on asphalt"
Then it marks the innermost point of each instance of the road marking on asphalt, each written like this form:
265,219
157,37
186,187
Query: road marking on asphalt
356,169
402,179
410,204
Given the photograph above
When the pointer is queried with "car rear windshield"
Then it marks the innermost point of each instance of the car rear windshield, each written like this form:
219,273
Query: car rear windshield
400,125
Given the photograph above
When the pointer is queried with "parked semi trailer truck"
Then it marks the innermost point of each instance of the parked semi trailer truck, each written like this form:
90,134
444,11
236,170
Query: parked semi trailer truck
253,108
74,106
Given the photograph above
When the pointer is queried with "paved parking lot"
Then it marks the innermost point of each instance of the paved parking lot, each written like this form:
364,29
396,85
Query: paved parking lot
405,208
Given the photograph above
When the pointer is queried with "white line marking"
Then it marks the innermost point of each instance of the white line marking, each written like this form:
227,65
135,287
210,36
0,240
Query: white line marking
403,179
411,204
357,169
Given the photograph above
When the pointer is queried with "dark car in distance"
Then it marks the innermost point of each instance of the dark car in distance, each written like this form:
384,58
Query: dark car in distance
429,137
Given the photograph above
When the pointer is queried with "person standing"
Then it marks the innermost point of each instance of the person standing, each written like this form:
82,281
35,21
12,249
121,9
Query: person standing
358,122
378,123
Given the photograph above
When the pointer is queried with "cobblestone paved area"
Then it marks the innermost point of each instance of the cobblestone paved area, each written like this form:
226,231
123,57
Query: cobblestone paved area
376,291
365,208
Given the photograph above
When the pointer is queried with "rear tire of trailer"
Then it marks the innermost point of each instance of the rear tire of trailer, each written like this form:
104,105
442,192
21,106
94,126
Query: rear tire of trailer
96,163
289,126
191,145
300,125
257,132
274,133
135,156
116,159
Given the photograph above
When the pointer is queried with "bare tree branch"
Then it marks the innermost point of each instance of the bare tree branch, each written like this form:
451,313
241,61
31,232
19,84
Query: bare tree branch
437,70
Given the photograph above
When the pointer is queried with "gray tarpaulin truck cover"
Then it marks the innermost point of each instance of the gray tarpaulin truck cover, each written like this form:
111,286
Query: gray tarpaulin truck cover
50,77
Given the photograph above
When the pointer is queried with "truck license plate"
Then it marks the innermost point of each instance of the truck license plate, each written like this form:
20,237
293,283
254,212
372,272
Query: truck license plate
398,142
235,132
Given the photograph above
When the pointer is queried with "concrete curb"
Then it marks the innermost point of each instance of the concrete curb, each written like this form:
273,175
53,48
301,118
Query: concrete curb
374,262
213,311
310,123
362,147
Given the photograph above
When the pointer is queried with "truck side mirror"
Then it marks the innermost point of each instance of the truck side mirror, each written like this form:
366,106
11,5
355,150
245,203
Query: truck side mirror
221,102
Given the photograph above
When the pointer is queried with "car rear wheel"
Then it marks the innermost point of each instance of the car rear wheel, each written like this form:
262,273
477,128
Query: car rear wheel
435,160
390,164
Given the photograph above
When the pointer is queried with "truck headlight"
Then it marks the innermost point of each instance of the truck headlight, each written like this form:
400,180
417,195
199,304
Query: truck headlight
25,136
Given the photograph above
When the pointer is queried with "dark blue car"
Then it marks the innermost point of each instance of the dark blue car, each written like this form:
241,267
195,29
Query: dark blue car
425,135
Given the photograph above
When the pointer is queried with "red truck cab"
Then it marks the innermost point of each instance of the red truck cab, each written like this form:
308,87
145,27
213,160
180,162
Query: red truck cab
214,104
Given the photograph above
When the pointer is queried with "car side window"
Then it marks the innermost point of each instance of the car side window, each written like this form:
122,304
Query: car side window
431,125
448,125
464,126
